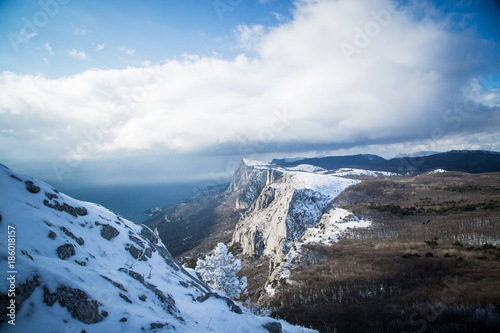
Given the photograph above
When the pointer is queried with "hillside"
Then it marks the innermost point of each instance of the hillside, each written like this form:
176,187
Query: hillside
74,266
429,262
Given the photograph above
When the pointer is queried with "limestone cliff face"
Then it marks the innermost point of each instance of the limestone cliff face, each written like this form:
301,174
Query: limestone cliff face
282,203
249,179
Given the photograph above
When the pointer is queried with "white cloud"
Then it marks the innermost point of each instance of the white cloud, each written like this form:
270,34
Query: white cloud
77,54
49,48
413,80
99,47
81,31
278,16
250,37
26,35
126,51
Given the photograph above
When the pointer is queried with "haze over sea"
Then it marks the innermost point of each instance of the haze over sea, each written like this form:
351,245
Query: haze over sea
130,201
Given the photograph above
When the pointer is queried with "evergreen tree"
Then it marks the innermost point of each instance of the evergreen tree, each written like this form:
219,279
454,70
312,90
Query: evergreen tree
219,270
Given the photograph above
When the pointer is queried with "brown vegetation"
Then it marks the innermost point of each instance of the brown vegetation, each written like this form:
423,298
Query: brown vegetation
430,262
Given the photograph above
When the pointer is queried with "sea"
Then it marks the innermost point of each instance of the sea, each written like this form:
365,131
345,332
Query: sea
131,201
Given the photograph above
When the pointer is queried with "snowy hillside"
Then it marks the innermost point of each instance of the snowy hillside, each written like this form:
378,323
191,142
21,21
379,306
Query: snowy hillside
360,172
80,267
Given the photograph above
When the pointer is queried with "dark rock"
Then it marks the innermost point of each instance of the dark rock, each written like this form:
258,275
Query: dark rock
69,209
108,232
232,306
81,263
31,187
148,252
167,300
273,327
68,233
0,217
23,292
76,301
143,297
27,254
116,284
81,211
104,313
134,252
136,240
66,251
62,208
184,284
123,319
52,235
74,211
51,195
125,298
133,274
155,326
16,178
149,235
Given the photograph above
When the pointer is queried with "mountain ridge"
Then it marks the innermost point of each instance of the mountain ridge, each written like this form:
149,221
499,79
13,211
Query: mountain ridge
476,161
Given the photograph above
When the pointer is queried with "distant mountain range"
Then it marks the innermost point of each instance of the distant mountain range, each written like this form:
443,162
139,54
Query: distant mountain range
471,161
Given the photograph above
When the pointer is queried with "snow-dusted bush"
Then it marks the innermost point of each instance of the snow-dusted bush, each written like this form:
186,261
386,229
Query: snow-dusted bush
219,270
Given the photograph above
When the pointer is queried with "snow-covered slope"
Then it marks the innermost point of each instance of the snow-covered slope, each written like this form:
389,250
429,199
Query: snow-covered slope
360,172
80,267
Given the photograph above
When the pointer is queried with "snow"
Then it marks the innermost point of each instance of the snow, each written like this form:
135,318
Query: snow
361,172
96,258
306,168
334,225
325,184
436,171
256,164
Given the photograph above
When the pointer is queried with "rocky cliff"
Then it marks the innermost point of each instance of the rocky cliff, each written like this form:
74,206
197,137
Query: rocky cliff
285,207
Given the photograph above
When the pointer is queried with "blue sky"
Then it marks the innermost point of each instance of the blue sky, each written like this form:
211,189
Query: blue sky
116,34
113,92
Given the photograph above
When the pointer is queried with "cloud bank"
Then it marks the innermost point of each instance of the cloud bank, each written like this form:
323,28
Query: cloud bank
339,74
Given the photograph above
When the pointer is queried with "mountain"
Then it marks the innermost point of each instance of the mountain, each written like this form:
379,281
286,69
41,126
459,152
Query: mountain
75,266
267,211
416,154
471,161
285,206
360,161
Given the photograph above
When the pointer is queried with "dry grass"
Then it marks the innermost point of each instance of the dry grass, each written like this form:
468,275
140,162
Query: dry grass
409,261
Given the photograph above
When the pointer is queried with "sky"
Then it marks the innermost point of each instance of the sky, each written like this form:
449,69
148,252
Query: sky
156,91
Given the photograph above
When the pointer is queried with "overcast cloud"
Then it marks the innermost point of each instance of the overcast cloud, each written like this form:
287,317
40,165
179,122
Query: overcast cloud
409,79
